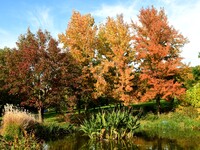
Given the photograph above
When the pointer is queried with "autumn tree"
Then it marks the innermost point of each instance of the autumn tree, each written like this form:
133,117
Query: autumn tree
80,40
3,92
38,69
5,97
158,46
114,70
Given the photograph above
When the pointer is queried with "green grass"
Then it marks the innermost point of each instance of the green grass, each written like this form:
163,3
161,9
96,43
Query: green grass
50,116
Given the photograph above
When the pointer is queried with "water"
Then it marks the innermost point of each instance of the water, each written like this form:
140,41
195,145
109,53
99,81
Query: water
77,142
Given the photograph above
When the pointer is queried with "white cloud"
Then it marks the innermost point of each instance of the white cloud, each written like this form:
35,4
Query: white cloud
42,18
184,16
128,11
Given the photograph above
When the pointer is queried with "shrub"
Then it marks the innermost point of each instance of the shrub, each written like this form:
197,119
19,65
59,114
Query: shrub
110,125
193,96
188,111
25,142
16,120
11,130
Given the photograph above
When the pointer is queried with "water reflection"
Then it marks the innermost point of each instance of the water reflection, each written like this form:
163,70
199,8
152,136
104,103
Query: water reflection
76,142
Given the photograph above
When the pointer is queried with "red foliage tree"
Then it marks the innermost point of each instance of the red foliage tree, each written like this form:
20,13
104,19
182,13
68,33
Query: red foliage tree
158,46
38,69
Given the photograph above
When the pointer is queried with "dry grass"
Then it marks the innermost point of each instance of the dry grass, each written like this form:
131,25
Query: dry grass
14,116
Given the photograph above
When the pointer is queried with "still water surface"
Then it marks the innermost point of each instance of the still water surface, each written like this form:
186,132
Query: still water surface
77,142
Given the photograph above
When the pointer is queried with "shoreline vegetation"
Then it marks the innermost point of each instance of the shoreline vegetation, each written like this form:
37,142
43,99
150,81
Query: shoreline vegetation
182,123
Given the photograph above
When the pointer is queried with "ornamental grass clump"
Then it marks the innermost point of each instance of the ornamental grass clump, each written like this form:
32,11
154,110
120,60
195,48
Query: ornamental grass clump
15,121
117,124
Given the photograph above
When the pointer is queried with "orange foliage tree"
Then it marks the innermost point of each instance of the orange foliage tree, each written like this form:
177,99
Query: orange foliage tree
80,40
158,46
114,70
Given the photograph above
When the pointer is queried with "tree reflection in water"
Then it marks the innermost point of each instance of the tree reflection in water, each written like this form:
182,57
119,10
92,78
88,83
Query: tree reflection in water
77,142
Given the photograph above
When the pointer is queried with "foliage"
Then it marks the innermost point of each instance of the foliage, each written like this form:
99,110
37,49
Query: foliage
190,76
188,111
125,62
80,40
158,46
5,97
11,130
114,70
38,70
193,95
117,124
196,73
25,142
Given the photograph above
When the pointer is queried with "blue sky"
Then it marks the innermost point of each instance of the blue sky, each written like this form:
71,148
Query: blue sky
17,15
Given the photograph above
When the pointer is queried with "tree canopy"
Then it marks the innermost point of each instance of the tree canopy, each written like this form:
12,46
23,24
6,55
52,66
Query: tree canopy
128,62
38,69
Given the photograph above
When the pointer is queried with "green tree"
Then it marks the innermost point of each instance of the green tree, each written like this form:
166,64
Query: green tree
193,95
196,73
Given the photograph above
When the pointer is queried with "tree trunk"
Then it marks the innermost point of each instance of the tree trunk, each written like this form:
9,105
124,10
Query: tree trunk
158,105
78,105
85,108
79,108
40,108
171,105
40,114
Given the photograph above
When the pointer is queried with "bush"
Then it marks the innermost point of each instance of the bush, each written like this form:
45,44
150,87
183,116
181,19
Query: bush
193,96
11,130
188,111
110,125
25,142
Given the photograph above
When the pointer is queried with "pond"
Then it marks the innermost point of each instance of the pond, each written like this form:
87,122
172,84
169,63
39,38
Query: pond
77,142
